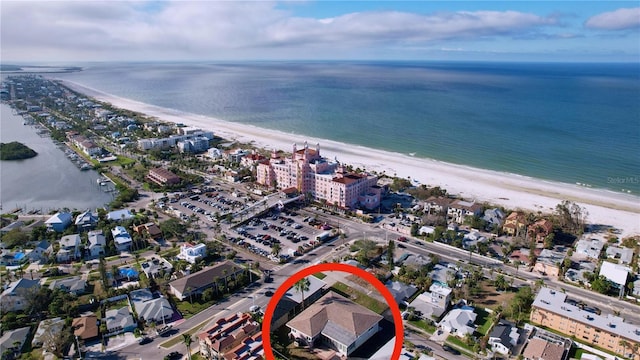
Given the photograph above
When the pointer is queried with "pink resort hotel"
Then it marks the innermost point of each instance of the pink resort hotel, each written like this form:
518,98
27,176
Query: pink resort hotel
312,174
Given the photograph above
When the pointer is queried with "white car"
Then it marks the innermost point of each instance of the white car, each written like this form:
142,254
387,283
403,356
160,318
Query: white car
254,309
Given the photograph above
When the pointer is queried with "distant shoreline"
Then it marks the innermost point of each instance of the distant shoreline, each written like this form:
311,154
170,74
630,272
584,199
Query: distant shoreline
504,189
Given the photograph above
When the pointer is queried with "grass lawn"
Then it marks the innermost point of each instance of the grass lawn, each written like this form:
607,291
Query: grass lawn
423,325
483,320
188,310
360,298
490,298
459,343
118,304
123,160
320,275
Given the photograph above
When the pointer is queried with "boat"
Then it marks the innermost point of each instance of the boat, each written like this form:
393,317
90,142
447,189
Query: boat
85,166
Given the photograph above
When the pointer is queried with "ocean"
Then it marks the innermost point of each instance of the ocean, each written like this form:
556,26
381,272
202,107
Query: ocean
572,123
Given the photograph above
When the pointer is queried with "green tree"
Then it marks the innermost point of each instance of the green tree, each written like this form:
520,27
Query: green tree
501,283
390,253
208,294
301,286
187,340
601,285
275,250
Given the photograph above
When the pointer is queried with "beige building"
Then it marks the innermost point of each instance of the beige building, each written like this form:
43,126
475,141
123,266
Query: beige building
551,309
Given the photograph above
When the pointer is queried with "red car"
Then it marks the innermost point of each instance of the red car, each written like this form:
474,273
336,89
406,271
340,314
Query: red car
402,239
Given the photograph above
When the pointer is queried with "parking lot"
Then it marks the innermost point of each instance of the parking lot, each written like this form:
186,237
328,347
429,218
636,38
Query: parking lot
294,233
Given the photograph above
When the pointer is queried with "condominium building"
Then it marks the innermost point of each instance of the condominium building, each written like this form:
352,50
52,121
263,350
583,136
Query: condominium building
171,141
552,309
325,181
232,338
163,177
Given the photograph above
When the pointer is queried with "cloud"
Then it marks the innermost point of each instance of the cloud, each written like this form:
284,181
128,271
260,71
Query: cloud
93,30
621,19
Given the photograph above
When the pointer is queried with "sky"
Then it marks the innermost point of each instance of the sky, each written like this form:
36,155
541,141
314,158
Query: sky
85,31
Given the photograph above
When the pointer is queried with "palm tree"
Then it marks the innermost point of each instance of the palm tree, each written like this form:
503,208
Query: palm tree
301,286
275,250
186,340
226,284
624,343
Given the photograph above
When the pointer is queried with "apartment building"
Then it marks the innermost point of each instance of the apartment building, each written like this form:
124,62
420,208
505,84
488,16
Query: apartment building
552,309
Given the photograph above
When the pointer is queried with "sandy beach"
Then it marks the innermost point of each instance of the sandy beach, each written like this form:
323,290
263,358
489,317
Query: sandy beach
512,191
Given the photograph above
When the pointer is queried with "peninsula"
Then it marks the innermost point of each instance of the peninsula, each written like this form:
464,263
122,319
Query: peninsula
16,151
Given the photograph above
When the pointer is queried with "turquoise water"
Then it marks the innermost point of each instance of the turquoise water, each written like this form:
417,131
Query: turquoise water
574,123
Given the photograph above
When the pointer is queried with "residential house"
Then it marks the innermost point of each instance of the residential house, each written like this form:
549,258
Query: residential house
191,253
86,221
47,331
337,322
494,217
14,225
616,273
552,309
13,297
437,205
97,243
13,341
121,238
623,255
204,279
119,321
589,249
291,303
74,285
515,224
119,215
539,230
432,304
459,210
504,337
85,327
459,321
549,263
156,267
40,252
149,230
69,248
162,177
542,349
12,259
235,337
150,308
400,291
59,221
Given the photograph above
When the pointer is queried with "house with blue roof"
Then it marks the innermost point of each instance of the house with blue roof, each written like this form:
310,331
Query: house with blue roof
59,221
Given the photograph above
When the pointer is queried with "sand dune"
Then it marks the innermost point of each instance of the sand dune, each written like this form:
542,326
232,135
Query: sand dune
619,210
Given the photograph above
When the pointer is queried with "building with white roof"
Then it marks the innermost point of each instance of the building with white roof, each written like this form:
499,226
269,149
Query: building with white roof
551,309
589,248
459,321
622,254
192,253
617,274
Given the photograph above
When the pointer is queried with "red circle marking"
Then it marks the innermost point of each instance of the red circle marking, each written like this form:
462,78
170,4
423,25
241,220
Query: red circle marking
271,307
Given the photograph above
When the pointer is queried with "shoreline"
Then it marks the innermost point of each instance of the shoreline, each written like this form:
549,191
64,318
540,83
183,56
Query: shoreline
605,207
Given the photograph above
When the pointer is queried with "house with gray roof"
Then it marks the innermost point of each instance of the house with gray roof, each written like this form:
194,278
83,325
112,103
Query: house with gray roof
13,340
336,321
150,308
459,321
290,304
69,248
86,221
156,266
119,321
74,285
119,215
41,252
432,304
623,255
504,337
121,238
48,330
494,217
400,291
97,243
589,248
12,298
